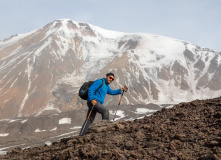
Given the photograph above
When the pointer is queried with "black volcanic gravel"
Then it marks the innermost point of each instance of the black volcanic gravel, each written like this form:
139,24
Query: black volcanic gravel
188,131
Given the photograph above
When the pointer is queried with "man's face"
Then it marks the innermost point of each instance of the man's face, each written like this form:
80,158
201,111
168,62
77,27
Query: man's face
110,79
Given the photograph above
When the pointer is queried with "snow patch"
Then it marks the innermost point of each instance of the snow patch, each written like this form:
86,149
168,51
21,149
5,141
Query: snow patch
4,134
107,33
48,143
24,121
3,152
54,129
170,106
12,120
144,110
119,113
14,39
65,121
76,127
38,130
49,107
72,80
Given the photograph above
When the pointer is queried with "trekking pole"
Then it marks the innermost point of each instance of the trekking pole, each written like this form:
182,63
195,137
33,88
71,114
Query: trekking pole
82,131
119,103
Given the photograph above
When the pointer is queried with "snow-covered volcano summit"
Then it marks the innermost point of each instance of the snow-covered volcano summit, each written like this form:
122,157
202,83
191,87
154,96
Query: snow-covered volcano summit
41,71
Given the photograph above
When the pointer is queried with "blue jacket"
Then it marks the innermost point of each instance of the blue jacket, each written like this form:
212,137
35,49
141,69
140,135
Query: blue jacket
101,92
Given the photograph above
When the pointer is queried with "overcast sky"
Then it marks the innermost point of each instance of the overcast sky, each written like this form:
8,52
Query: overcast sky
195,21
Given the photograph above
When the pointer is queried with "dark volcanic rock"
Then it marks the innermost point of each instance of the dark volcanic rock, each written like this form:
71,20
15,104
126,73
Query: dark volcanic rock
186,131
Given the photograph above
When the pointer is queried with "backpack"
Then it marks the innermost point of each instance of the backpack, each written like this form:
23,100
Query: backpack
83,92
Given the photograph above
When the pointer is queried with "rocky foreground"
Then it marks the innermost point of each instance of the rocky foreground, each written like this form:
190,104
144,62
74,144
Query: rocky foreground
186,131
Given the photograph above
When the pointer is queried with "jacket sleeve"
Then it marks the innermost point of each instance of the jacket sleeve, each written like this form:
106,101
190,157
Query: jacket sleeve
93,88
113,92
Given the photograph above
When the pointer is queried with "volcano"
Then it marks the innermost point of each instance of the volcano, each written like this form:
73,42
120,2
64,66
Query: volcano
42,71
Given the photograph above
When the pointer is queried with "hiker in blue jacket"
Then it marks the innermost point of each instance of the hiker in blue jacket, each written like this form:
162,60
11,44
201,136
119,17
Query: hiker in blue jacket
96,96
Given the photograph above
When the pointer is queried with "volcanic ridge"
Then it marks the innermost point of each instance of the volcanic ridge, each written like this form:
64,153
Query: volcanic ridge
187,131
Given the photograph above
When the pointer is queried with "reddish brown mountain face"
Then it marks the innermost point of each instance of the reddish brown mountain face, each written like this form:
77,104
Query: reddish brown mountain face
41,71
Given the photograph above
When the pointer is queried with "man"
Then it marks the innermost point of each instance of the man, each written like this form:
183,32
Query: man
96,96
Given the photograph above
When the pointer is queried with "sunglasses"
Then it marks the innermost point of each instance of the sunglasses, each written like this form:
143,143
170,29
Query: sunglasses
111,78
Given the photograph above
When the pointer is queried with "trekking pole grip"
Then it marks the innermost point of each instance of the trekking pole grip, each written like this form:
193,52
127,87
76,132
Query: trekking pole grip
121,97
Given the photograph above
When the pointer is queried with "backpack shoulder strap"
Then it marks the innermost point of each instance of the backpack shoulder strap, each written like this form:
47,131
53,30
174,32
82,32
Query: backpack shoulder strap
100,85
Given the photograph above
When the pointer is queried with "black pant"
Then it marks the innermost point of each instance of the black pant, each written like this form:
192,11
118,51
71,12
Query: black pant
97,108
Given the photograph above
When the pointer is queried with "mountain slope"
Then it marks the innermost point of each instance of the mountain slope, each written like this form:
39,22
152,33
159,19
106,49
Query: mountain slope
33,131
41,71
186,131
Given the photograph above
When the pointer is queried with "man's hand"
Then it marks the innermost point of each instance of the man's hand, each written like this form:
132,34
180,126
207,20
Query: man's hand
124,88
94,102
